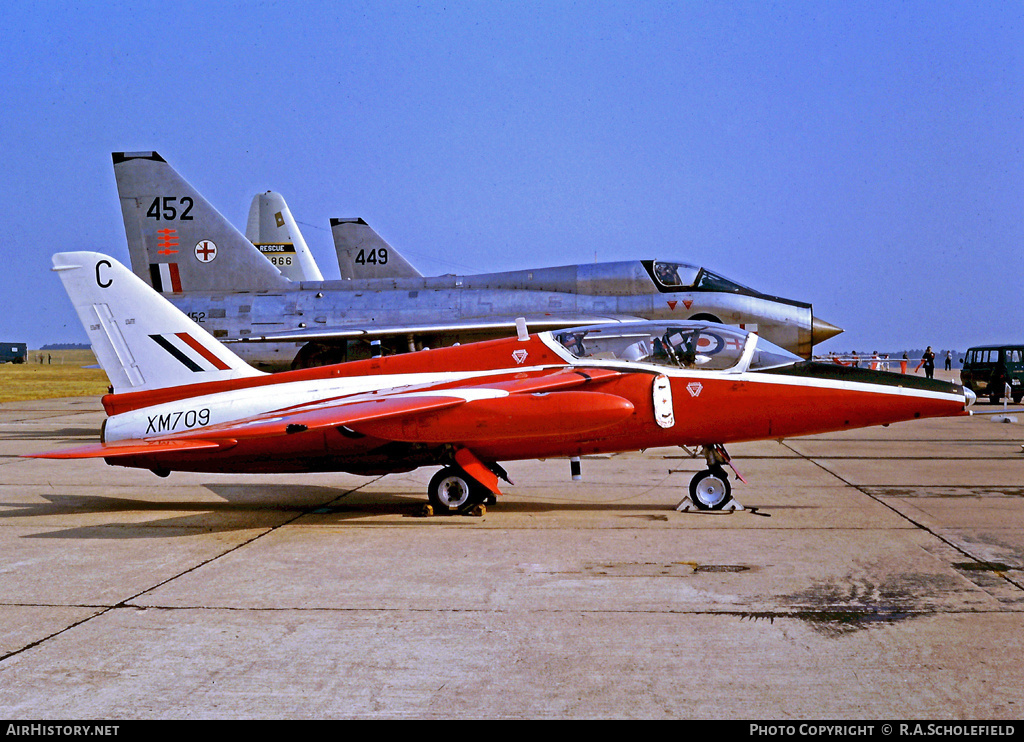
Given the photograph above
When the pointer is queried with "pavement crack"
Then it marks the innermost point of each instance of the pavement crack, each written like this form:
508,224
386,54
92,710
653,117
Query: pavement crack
959,548
128,601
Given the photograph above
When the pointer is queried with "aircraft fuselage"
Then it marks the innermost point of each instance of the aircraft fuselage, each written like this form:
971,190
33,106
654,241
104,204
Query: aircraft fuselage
613,411
599,291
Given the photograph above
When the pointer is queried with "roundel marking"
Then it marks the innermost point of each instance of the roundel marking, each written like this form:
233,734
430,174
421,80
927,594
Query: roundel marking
206,251
710,343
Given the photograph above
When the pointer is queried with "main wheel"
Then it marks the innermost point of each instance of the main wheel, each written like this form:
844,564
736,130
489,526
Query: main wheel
710,489
453,491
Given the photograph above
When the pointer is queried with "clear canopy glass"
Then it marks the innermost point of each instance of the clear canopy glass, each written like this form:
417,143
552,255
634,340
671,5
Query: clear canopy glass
683,276
690,345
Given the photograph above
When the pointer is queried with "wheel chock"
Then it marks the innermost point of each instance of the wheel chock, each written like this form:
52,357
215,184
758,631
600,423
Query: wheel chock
477,511
686,505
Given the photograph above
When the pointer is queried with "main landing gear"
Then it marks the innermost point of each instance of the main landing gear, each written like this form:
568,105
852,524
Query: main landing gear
451,490
710,489
464,483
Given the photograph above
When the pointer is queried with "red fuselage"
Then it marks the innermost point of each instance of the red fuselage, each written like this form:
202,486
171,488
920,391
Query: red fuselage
548,407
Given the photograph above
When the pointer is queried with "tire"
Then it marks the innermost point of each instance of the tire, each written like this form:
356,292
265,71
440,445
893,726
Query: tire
451,490
710,489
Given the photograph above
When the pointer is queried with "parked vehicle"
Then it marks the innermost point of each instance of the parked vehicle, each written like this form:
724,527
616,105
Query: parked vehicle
988,369
13,352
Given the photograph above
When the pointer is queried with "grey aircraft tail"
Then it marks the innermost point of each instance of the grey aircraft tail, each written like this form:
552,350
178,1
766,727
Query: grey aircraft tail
178,242
362,253
272,228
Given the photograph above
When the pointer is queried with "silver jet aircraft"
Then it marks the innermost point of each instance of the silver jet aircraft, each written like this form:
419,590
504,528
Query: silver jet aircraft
184,248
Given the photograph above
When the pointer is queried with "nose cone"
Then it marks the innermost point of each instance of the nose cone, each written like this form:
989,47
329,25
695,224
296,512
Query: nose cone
822,330
969,397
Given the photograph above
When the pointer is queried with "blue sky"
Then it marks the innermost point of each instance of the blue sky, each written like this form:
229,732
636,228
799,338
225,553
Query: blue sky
866,157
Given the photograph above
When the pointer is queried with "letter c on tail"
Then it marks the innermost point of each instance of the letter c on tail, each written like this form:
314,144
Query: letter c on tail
99,281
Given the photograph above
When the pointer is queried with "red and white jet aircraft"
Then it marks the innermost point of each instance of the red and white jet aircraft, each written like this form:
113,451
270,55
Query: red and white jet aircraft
181,401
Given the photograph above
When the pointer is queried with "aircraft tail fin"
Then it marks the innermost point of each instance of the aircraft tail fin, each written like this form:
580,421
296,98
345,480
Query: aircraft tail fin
362,253
272,228
178,242
140,339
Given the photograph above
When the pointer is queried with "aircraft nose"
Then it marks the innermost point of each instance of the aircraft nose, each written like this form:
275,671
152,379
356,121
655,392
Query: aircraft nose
822,330
969,397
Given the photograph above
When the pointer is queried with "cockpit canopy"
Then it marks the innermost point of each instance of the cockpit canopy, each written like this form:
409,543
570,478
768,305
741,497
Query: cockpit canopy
692,345
684,277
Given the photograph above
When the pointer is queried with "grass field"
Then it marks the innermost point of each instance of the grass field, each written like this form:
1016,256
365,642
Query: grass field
61,374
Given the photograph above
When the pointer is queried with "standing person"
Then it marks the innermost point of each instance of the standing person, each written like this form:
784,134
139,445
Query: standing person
928,359
949,360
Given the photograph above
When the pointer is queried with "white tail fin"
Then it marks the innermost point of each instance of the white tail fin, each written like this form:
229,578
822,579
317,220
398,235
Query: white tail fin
140,339
362,253
273,230
178,242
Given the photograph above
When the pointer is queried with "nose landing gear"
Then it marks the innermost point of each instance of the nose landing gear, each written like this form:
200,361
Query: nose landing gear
710,489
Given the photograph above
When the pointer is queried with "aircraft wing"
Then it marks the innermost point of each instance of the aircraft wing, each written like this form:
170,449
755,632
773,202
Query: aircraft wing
146,447
386,415
282,422
401,406
535,323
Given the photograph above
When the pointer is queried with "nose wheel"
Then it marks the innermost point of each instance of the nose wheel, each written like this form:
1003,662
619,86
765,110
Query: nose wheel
710,489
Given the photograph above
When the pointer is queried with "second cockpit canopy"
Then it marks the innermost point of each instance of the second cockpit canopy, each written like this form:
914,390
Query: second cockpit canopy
685,277
691,345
